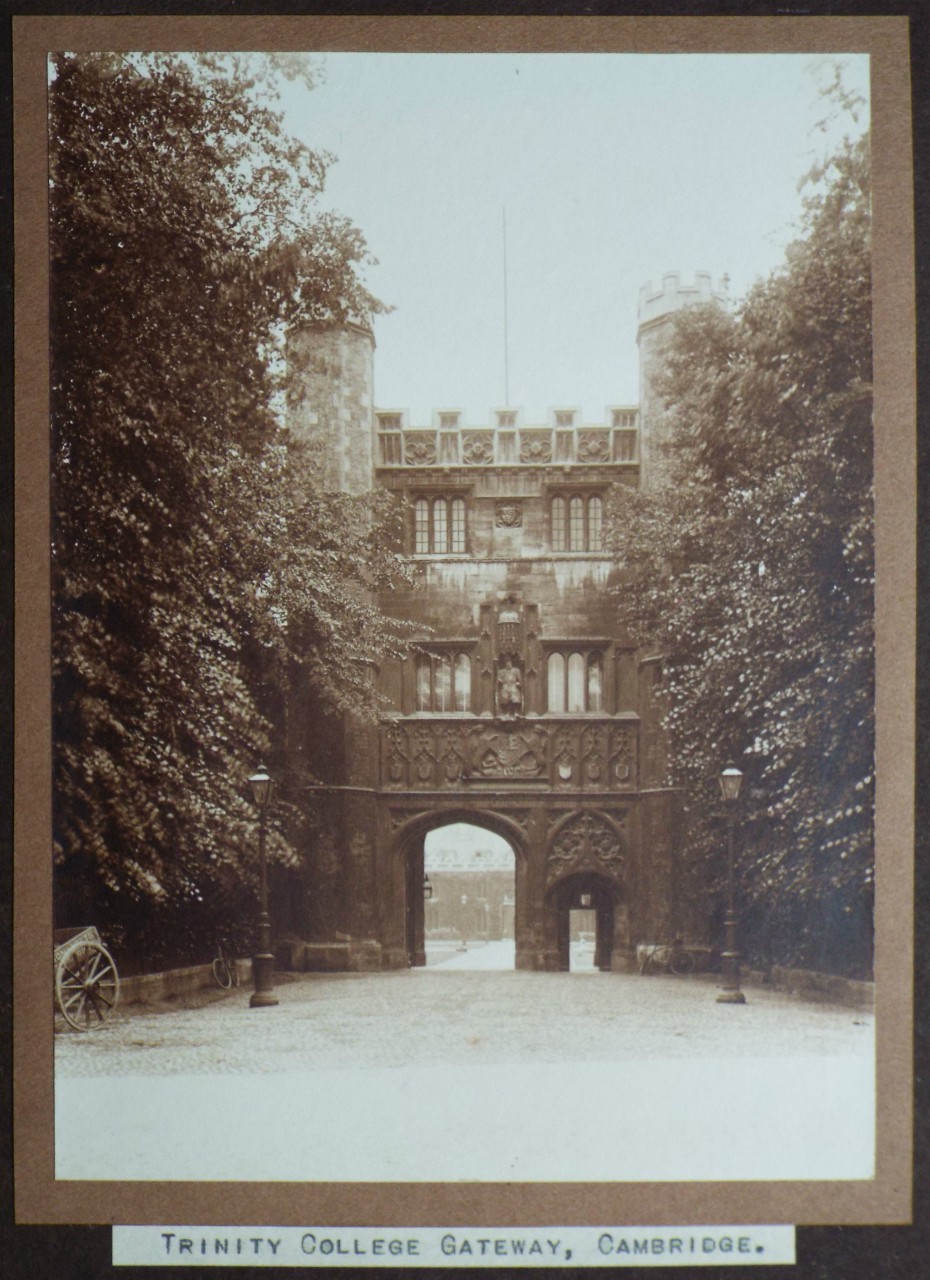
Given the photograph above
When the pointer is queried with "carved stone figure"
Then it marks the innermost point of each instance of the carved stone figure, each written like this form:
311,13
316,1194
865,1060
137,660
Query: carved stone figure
509,515
509,689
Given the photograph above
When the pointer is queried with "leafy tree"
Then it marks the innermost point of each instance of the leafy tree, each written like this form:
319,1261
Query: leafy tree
753,572
187,528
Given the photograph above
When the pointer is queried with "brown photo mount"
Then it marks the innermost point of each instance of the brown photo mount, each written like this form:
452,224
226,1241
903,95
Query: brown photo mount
572,780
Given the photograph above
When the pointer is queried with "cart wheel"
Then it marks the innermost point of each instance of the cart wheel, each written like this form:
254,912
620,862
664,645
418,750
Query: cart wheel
86,985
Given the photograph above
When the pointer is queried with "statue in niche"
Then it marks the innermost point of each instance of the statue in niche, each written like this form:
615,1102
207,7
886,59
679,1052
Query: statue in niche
509,689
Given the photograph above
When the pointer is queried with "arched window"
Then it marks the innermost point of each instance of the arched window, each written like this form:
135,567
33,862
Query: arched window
458,527
558,524
424,683
595,521
439,526
421,526
462,682
576,522
575,681
595,682
556,682
443,682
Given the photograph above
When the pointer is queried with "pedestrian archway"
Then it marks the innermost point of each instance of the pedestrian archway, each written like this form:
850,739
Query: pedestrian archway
583,899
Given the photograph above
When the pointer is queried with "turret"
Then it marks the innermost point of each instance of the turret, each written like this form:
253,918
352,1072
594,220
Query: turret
657,309
330,397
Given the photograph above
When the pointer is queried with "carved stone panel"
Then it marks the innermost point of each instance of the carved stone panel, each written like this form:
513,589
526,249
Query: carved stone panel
423,757
452,760
499,753
564,756
586,842
428,754
518,816
396,758
419,448
623,758
593,446
535,446
594,757
477,448
510,629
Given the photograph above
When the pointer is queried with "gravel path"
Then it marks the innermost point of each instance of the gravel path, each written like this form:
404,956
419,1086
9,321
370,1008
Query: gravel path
454,1015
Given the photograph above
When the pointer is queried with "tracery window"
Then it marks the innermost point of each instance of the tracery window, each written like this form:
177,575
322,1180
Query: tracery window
439,526
576,522
443,681
575,681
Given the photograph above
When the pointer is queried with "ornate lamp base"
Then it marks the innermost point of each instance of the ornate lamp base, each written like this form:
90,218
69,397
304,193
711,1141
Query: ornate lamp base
262,969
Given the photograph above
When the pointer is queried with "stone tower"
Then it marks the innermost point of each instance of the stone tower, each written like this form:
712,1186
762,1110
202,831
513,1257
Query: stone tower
330,401
330,408
657,309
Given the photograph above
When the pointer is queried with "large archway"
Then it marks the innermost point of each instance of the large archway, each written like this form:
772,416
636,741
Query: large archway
463,875
470,898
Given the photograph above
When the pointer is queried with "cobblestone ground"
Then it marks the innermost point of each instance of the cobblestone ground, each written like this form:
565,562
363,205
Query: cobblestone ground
461,1010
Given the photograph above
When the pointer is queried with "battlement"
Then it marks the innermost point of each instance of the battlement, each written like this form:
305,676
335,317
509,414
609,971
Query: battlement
508,441
654,304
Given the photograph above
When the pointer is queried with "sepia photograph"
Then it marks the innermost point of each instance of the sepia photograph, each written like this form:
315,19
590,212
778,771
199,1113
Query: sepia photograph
464,494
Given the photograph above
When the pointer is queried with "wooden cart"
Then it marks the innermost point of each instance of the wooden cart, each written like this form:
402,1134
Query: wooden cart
86,981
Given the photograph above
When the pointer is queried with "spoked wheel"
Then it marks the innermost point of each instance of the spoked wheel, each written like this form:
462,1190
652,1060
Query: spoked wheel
223,972
86,985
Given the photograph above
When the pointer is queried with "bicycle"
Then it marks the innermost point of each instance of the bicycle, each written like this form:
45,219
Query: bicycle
225,969
672,956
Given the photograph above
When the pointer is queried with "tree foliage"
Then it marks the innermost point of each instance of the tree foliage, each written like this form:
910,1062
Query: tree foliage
195,560
753,573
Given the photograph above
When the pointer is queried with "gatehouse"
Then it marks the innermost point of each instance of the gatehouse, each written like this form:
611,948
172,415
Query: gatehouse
522,708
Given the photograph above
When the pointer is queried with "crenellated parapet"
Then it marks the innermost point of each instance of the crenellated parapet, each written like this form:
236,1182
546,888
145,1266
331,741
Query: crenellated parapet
657,304
508,441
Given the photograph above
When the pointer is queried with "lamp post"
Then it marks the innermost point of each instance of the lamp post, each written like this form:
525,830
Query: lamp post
263,961
730,993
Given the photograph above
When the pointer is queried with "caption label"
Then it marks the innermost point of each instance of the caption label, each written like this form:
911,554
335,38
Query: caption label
453,1246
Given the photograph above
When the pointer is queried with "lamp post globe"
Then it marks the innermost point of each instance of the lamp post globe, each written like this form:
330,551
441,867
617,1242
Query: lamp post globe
730,992
263,994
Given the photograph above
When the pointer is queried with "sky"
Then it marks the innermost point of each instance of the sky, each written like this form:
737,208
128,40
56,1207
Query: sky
610,169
